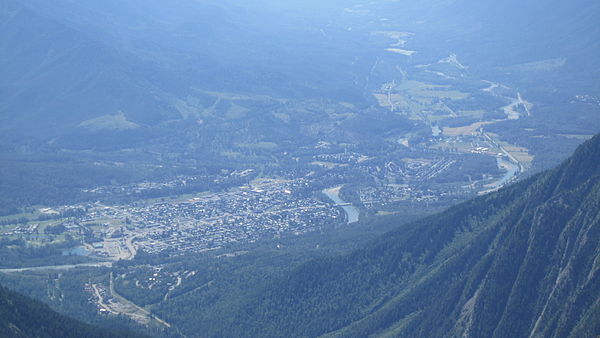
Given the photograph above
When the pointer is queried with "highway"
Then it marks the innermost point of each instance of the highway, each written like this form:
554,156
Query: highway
59,267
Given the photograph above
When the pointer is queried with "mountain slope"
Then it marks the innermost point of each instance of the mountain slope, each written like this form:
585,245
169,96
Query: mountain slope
24,317
54,77
522,261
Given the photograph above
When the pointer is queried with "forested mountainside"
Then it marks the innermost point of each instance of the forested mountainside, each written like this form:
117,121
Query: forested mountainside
523,261
21,316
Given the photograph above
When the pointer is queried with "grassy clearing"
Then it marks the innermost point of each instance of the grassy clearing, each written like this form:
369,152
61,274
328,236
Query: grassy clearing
422,89
283,117
577,137
476,114
465,130
109,122
236,112
419,100
521,154
259,145
401,51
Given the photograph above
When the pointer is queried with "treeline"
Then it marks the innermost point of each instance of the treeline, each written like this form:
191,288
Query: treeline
26,183
16,253
45,217
21,316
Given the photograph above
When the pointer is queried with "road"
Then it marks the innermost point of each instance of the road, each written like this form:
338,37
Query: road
60,267
172,288
130,247
101,300
131,309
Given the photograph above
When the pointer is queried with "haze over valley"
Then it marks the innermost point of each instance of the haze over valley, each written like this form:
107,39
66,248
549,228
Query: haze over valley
167,166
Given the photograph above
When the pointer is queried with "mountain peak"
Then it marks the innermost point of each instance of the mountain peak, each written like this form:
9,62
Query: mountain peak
583,165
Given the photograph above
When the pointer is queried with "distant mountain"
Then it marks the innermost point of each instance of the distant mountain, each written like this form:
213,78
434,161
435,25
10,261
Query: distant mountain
23,317
528,44
107,66
54,77
531,42
523,261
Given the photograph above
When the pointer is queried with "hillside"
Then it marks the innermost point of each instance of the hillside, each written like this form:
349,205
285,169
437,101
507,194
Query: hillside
522,261
23,317
62,77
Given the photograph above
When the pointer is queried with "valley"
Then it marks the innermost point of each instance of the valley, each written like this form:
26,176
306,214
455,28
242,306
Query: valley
339,168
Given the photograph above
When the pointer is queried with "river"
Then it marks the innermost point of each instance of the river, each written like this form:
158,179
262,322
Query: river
351,211
512,170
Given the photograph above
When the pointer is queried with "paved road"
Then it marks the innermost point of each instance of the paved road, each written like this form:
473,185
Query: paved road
59,267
